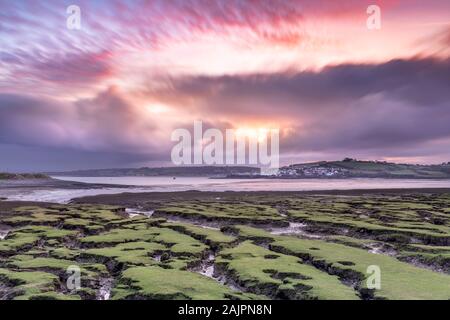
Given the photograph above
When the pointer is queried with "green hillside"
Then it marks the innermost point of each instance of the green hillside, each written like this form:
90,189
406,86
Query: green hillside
350,168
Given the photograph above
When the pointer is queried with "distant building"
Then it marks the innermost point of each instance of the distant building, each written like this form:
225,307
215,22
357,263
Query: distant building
311,171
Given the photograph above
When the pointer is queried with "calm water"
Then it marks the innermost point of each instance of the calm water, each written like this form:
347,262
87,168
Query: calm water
147,184
205,184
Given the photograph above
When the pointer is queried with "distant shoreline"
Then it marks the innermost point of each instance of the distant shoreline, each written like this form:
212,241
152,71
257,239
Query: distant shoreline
343,169
63,191
331,178
141,198
50,183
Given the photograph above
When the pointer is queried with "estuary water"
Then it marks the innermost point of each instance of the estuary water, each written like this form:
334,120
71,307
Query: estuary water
207,184
167,184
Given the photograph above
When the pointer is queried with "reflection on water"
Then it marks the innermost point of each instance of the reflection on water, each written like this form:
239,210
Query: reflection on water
295,228
104,292
156,184
135,212
207,267
206,184
3,234
61,195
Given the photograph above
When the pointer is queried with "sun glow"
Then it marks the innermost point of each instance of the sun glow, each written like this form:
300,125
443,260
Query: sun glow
259,134
157,108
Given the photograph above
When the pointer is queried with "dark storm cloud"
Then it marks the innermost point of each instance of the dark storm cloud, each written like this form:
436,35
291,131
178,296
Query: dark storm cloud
422,82
400,103
396,108
107,123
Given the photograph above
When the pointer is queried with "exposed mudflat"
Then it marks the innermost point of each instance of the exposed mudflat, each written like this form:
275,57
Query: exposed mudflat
195,245
58,191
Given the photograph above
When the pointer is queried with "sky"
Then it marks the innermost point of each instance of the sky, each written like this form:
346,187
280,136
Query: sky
110,93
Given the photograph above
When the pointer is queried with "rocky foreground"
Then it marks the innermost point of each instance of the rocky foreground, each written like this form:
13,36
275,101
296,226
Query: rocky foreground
228,246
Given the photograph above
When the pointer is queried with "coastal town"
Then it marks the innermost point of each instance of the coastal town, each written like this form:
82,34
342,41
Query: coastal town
310,171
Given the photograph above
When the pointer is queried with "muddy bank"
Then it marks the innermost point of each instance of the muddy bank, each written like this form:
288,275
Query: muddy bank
218,222
56,191
7,207
208,268
53,184
160,198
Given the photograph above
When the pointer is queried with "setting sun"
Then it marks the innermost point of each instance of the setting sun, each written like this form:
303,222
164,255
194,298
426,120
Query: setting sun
259,134
157,108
